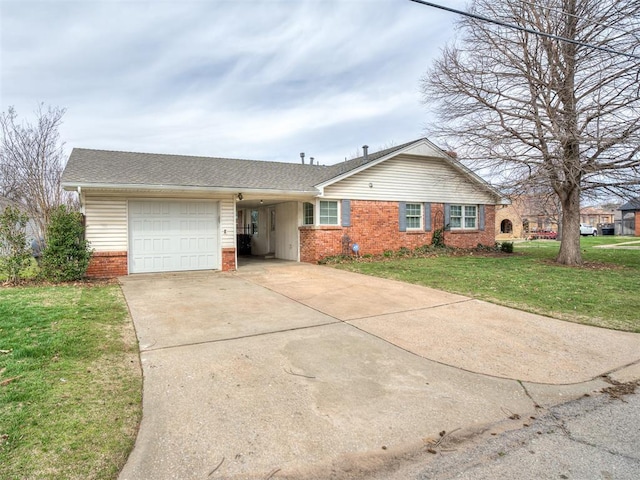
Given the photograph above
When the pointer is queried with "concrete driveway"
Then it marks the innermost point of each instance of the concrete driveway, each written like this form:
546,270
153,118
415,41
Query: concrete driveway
289,370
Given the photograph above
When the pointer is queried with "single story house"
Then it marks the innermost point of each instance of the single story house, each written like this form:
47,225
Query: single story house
155,212
630,218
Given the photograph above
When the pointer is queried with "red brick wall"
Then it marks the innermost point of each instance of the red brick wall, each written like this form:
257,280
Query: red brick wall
228,259
320,242
108,265
637,229
114,264
471,238
375,228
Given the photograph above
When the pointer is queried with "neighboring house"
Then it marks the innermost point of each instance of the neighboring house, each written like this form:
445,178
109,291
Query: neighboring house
527,215
32,231
630,221
597,215
539,212
154,212
509,223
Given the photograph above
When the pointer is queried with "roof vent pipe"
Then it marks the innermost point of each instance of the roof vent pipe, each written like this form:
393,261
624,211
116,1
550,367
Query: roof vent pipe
365,151
302,157
310,160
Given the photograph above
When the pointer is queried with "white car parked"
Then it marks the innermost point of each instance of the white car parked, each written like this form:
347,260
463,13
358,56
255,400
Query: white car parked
588,230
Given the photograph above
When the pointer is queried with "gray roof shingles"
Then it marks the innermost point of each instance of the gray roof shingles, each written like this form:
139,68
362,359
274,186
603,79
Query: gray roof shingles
633,204
104,167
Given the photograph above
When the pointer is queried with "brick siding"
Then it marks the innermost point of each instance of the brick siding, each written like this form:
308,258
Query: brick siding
228,259
108,265
473,238
375,228
115,264
637,225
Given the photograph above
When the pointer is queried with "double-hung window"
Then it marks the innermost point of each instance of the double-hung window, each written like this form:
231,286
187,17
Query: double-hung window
328,212
413,214
463,217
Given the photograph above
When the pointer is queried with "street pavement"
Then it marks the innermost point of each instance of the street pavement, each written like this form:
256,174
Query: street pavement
595,437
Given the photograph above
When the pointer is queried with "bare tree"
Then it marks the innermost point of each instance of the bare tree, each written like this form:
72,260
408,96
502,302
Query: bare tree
542,113
31,162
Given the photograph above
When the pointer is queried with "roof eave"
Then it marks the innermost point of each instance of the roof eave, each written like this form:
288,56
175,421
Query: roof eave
74,186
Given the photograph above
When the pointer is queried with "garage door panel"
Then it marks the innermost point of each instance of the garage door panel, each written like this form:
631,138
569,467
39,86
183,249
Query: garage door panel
191,262
172,236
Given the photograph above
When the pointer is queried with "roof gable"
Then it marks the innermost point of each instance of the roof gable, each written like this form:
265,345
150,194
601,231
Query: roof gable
418,148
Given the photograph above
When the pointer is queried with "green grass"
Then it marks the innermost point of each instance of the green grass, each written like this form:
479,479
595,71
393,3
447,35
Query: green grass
603,292
70,382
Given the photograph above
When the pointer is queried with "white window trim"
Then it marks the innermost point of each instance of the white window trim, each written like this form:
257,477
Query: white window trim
338,214
462,218
406,216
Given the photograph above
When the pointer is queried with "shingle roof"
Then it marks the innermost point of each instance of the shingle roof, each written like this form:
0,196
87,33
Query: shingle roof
344,167
104,167
633,204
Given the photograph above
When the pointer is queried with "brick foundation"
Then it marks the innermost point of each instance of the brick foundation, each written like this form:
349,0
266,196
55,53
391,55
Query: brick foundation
228,259
108,265
375,228
115,264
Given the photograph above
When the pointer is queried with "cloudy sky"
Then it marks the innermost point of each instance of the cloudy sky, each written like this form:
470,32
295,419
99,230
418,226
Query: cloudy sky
258,79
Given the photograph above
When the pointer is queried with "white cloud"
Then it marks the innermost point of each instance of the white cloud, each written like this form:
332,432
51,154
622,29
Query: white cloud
255,79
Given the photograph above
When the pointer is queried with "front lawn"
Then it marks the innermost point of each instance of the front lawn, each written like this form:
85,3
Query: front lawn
70,382
604,292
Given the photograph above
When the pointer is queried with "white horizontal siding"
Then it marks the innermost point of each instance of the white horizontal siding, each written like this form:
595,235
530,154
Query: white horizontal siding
106,223
412,180
227,224
287,241
106,216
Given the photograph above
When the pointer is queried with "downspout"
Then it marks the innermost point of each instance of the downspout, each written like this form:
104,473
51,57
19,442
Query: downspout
80,199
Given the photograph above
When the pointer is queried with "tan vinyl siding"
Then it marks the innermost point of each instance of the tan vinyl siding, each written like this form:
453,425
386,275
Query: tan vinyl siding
410,179
106,223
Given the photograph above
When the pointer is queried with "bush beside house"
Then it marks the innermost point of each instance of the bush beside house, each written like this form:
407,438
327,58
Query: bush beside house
14,251
66,254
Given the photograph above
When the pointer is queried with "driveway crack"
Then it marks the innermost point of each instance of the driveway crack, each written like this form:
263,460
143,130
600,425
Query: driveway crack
239,337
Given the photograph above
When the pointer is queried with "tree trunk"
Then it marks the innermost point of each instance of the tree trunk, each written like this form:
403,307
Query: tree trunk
570,253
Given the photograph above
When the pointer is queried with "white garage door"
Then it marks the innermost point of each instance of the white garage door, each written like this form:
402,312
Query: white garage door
168,236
